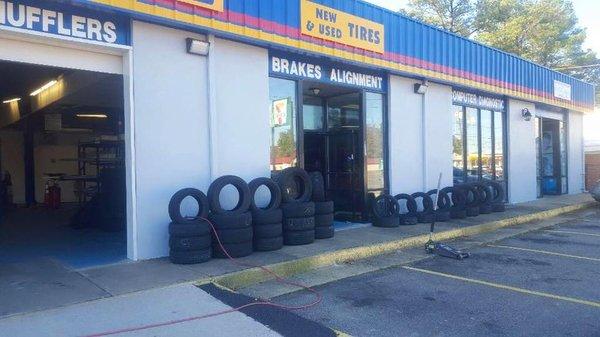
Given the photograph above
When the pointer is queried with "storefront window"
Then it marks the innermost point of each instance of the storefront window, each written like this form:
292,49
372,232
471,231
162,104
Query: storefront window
479,128
487,160
342,112
498,145
312,113
457,144
563,157
472,145
375,141
283,123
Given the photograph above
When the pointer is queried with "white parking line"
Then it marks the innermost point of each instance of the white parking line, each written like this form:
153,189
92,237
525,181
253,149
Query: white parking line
570,232
547,252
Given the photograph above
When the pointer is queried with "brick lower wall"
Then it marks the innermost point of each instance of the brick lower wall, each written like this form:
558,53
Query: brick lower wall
592,169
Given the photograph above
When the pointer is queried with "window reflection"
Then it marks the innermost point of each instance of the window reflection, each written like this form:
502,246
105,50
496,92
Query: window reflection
499,145
457,145
472,145
487,162
283,123
375,140
312,113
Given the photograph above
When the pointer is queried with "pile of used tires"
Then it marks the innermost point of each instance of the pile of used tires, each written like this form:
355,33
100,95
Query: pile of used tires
455,202
296,214
596,191
189,237
267,221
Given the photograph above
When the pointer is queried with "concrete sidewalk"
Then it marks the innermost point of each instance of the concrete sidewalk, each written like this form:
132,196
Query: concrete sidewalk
59,289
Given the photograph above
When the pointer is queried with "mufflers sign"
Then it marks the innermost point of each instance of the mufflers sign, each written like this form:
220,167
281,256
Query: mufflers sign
333,25
56,19
309,68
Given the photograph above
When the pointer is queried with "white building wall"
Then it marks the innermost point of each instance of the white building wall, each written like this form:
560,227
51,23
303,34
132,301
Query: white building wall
241,142
171,134
406,138
522,184
576,165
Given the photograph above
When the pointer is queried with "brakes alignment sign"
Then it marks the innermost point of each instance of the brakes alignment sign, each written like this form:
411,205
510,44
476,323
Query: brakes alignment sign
330,24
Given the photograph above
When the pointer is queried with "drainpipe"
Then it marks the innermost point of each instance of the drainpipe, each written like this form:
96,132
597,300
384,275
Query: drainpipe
421,89
212,110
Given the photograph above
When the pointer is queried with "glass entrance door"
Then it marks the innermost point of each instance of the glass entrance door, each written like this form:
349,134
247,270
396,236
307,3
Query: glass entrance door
551,156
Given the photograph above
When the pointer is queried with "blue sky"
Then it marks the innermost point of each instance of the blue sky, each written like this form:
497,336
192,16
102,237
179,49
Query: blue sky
587,11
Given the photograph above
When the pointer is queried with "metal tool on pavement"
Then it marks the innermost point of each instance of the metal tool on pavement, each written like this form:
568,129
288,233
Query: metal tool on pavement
439,248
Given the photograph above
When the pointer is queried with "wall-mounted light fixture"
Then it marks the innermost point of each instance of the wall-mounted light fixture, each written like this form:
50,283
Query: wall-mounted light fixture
315,91
421,88
91,115
16,99
43,87
526,114
197,47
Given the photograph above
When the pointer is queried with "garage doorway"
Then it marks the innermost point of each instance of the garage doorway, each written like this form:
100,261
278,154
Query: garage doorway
63,165
344,139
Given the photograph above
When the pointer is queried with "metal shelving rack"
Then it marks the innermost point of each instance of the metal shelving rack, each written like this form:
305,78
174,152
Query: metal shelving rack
98,154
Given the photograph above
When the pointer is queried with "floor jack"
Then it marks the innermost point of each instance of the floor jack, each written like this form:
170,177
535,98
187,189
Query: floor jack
439,248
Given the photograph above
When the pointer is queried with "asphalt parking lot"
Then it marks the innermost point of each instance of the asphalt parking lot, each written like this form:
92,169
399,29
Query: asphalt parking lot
543,283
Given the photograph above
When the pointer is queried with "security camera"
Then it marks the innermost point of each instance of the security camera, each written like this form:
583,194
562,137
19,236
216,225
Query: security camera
526,114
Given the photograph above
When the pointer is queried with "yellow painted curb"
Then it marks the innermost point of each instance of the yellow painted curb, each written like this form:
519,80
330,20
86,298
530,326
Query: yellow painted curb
244,278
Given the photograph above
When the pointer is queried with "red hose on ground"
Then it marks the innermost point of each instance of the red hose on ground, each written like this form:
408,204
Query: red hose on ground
278,278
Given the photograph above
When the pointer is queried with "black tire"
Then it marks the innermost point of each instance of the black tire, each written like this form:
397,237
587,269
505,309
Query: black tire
485,209
408,220
473,197
318,186
385,206
498,192
214,192
324,232
227,236
268,244
234,249
425,217
298,224
324,207
275,201
190,257
443,201
387,222
198,228
175,205
426,202
458,213
231,221
260,217
268,231
298,209
485,192
295,185
298,238
411,203
183,243
323,220
442,216
499,207
472,211
459,198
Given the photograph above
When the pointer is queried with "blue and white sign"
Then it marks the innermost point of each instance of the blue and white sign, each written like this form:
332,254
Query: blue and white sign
63,20
309,68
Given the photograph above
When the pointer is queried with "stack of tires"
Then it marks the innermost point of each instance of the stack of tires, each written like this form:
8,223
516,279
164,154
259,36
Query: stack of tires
486,197
425,211
497,192
233,235
473,199
459,202
408,217
298,210
386,211
189,237
267,221
323,208
442,213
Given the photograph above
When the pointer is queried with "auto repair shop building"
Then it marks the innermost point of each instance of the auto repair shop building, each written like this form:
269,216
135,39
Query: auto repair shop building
376,101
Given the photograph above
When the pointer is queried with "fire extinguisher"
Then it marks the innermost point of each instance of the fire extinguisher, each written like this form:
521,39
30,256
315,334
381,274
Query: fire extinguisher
54,196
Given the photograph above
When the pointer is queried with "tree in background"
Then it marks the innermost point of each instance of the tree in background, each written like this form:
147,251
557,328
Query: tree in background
543,31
